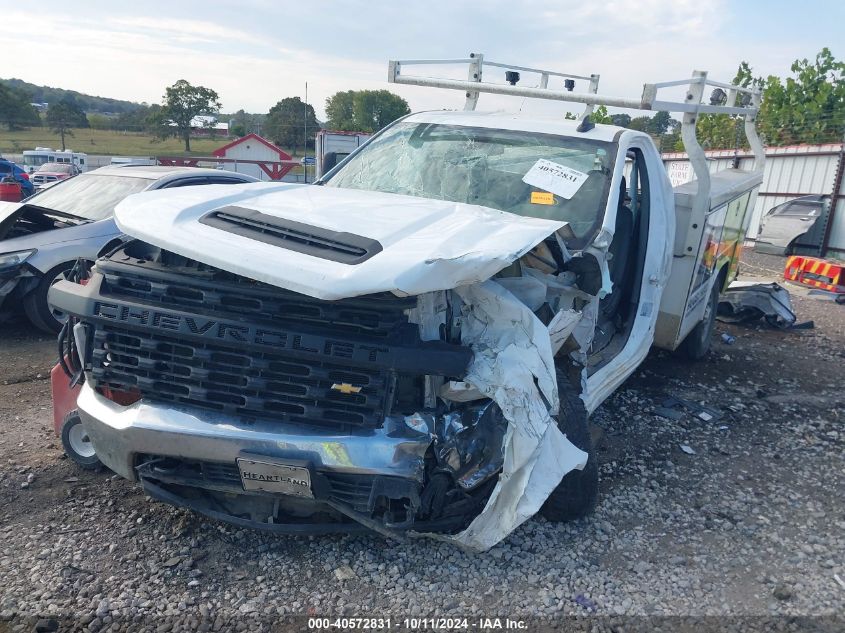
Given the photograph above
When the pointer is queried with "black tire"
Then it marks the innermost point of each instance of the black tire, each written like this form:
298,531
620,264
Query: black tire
76,443
697,343
35,303
578,491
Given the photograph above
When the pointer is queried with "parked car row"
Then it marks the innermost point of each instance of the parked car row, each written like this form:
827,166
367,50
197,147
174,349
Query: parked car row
18,173
42,237
50,173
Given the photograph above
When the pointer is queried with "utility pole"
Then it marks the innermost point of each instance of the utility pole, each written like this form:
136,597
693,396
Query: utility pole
305,140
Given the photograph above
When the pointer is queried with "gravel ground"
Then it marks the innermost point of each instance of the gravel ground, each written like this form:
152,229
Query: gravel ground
739,515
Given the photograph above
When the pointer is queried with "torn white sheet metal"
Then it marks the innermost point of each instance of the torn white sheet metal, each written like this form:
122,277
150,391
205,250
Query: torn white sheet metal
750,300
430,314
460,391
425,245
561,327
513,365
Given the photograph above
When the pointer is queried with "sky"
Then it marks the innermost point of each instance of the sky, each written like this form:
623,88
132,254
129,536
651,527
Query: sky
256,52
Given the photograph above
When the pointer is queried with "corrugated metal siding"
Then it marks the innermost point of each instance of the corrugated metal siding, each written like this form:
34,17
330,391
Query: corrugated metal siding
791,171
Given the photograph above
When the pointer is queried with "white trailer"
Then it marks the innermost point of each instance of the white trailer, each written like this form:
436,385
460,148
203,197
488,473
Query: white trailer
34,158
332,146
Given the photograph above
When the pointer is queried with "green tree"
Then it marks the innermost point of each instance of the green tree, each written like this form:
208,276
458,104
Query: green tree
182,102
600,115
659,123
134,120
100,122
622,120
65,115
243,123
288,122
340,111
15,109
374,109
364,110
808,107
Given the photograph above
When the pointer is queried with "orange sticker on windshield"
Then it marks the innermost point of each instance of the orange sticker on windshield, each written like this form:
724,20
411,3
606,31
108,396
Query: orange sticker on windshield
542,197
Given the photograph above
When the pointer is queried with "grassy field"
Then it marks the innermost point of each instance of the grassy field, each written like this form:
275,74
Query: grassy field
104,142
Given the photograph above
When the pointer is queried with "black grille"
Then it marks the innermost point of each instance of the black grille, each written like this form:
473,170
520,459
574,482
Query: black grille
252,383
353,489
378,315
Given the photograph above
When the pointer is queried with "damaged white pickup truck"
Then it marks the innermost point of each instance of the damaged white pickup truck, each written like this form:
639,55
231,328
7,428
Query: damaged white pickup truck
413,345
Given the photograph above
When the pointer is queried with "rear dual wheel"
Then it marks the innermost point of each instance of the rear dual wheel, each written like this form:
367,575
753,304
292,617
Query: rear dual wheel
697,343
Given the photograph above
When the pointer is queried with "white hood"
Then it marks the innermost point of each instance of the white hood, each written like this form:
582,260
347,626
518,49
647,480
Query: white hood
426,245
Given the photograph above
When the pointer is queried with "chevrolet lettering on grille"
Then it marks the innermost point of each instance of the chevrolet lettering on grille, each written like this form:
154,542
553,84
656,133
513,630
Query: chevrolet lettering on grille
237,332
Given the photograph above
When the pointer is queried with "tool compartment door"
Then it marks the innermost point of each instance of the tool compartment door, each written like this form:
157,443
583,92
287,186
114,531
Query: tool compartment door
703,246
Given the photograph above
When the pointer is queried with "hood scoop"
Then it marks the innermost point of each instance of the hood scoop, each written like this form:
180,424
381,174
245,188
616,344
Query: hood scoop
342,247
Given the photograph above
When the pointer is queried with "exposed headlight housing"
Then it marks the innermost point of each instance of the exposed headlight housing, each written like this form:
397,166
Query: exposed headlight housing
15,259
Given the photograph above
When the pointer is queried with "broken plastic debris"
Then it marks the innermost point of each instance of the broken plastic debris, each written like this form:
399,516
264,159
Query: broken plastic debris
687,449
418,422
751,300
459,391
673,402
669,414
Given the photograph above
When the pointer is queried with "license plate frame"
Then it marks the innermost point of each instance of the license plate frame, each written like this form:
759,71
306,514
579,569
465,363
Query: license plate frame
277,477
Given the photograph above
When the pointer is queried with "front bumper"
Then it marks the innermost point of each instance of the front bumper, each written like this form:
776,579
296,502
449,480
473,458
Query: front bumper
17,281
119,434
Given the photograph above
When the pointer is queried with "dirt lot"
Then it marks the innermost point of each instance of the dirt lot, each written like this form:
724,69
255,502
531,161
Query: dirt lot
749,521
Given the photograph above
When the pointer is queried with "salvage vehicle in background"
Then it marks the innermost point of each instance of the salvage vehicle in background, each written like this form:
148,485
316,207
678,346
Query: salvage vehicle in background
798,223
52,172
42,237
414,344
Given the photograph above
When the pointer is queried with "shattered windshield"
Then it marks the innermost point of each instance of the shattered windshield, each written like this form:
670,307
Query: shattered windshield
526,173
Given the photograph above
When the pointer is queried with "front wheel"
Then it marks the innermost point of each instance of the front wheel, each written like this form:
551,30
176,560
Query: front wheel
577,493
697,343
77,444
38,311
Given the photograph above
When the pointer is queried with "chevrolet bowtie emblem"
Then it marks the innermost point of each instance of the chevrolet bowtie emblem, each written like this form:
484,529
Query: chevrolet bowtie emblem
345,387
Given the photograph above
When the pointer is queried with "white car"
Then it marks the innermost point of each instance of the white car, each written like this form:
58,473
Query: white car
42,237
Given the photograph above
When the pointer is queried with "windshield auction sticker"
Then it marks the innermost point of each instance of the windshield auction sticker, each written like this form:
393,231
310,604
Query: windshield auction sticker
559,179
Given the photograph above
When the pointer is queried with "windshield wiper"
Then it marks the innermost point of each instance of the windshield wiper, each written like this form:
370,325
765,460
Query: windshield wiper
61,214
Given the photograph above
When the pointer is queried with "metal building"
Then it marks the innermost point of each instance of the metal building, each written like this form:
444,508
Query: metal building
791,171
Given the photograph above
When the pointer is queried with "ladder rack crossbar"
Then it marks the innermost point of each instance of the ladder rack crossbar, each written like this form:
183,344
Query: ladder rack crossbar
691,107
539,71
647,101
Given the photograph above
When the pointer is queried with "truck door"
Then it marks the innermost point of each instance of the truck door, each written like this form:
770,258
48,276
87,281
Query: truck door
639,188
